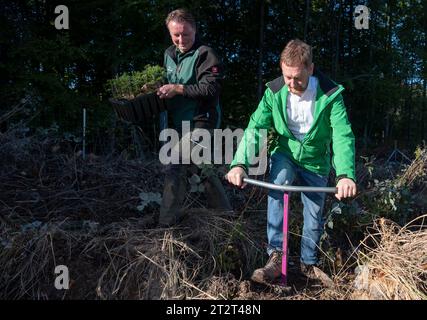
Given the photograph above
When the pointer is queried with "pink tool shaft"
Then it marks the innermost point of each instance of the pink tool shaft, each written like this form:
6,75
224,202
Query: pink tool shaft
285,239
286,189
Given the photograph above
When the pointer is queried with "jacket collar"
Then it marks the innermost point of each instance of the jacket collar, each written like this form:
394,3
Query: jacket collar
172,51
326,84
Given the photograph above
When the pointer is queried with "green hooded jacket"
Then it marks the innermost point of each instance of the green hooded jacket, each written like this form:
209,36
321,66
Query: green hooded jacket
330,128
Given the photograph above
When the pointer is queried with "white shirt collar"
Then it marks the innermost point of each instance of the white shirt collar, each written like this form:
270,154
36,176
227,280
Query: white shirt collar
309,91
312,84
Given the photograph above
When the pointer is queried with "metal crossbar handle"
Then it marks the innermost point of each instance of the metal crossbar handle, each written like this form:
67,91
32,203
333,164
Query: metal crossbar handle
289,188
286,190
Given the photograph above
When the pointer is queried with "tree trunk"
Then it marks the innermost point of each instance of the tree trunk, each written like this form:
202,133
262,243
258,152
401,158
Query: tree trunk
423,112
337,41
389,45
387,127
408,111
307,18
350,37
114,66
261,51
115,17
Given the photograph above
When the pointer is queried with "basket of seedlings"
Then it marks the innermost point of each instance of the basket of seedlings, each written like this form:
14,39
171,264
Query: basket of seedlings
134,97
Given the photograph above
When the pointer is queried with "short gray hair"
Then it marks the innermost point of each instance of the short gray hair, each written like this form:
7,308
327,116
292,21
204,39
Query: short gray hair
181,15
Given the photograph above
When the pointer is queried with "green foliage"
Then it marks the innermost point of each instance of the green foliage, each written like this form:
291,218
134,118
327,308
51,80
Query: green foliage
390,191
383,69
147,198
230,257
419,152
388,199
131,84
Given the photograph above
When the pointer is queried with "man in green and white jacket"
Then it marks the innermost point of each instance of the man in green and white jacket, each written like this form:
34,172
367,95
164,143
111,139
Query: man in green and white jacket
306,109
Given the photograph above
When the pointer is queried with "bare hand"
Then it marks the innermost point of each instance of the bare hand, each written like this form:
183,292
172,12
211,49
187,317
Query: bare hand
346,189
169,91
235,176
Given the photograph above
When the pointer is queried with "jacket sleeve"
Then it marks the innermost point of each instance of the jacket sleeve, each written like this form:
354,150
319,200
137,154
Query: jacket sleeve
209,73
256,133
343,142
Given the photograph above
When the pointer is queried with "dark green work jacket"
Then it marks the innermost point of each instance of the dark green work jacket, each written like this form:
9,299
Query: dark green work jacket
200,71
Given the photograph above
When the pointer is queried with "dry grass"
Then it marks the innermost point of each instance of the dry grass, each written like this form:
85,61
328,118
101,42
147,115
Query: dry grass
56,209
174,263
391,264
42,179
417,170
394,262
123,260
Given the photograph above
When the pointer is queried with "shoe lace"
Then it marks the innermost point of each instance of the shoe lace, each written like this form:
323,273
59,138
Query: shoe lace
274,261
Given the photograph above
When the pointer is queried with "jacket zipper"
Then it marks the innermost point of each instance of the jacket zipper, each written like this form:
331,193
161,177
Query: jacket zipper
305,139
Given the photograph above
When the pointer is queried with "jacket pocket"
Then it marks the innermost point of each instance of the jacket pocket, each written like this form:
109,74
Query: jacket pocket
314,153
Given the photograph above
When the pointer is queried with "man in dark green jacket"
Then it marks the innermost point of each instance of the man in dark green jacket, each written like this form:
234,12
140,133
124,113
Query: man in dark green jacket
194,75
307,111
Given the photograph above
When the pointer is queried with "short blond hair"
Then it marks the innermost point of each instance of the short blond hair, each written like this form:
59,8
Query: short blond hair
297,52
181,15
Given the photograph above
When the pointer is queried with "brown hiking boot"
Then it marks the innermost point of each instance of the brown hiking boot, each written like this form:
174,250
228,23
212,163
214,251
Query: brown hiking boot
174,191
308,271
314,273
272,270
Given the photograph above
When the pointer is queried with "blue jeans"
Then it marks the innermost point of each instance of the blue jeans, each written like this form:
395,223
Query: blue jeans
283,171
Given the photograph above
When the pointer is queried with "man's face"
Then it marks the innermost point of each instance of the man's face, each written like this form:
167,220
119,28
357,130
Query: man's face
296,78
182,35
